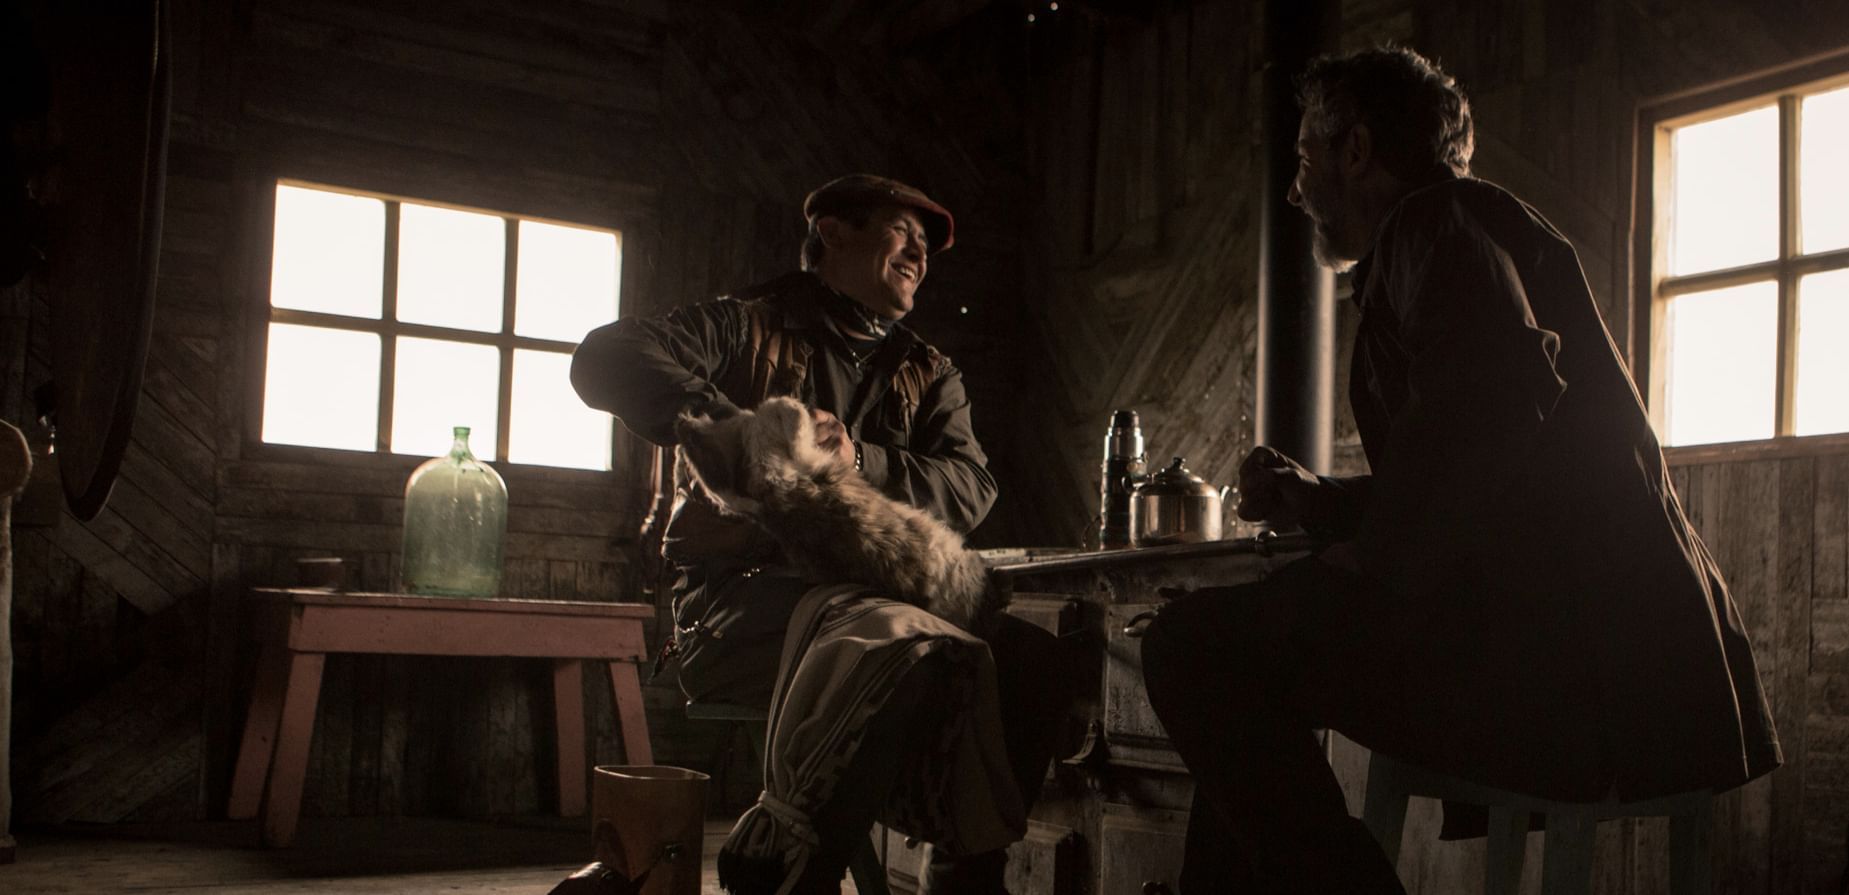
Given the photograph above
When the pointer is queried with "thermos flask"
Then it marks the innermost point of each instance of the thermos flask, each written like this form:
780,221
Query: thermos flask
1124,469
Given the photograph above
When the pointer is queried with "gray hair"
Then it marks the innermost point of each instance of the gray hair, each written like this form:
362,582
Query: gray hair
813,248
1419,119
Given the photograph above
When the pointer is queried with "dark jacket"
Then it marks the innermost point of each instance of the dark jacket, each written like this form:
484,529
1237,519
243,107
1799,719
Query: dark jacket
905,405
1520,511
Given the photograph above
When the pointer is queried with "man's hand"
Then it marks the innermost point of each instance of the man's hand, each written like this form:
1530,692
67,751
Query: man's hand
831,436
1274,488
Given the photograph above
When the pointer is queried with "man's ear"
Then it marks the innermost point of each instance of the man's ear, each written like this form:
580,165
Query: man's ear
832,230
1356,150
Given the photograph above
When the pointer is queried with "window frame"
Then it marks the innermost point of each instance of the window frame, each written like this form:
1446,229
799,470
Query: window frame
263,314
1652,287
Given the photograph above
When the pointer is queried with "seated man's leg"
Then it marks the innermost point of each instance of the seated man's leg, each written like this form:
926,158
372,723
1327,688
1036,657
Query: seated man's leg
731,629
1035,692
1240,678
908,718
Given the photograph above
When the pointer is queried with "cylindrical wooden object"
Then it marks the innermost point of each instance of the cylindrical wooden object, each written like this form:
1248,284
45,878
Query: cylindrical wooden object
15,467
650,818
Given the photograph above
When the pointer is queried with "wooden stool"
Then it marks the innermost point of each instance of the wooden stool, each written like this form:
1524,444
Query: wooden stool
868,871
1567,860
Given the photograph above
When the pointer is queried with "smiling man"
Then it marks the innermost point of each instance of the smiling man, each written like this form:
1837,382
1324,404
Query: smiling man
829,336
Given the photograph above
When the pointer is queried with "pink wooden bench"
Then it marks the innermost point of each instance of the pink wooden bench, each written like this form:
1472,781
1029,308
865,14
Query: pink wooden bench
297,628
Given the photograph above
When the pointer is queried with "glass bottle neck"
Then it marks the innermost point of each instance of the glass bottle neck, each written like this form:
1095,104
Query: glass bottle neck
459,449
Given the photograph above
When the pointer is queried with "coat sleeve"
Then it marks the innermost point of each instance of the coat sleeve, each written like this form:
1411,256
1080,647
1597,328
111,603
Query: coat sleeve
646,370
943,469
1481,380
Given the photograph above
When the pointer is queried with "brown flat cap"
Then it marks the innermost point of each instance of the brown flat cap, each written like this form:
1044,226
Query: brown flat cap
864,190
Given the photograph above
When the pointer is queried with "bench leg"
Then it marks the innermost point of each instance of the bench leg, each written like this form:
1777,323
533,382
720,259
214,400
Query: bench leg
1566,867
568,712
1689,868
1383,809
1507,846
868,872
258,744
631,719
284,805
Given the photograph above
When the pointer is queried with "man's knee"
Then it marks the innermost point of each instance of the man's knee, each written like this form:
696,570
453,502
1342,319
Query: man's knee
1201,643
1168,648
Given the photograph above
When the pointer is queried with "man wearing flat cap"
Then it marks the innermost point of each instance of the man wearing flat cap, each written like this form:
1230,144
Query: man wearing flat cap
830,336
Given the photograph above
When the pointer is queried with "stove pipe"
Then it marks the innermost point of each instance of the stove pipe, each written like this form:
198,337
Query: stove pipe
1295,412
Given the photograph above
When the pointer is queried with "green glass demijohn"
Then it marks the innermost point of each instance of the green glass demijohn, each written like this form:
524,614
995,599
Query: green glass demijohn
455,519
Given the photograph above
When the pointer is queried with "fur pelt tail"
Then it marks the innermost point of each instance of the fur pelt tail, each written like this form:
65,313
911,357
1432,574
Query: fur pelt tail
831,522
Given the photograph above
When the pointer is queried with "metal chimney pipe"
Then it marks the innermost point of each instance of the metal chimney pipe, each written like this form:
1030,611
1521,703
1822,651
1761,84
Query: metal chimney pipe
1296,296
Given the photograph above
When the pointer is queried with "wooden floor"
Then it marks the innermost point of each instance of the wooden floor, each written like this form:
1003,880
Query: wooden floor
361,856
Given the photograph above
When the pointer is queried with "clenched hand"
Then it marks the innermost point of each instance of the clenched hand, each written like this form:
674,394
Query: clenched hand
831,436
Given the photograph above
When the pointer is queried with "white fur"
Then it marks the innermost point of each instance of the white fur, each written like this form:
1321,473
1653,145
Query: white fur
830,521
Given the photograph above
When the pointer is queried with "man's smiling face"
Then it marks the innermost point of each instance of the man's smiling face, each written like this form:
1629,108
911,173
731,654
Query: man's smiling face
879,265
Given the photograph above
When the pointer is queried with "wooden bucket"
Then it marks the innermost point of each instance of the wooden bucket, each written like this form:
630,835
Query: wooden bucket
650,819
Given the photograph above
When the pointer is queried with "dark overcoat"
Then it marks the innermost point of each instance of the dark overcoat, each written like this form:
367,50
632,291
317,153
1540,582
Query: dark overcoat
1559,618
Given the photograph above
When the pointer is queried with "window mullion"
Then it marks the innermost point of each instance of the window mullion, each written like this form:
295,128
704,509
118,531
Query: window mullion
1788,220
388,343
510,276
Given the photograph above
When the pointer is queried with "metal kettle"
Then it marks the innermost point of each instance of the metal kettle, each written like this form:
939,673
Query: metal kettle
1174,506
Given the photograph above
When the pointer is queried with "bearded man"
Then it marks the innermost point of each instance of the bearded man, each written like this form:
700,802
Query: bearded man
1513,595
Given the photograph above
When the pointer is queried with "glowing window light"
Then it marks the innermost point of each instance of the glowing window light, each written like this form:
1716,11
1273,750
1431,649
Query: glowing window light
566,282
321,387
1824,160
551,426
1723,364
1724,199
1821,402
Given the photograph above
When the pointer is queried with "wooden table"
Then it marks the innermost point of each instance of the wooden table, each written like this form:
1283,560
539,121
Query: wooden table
297,628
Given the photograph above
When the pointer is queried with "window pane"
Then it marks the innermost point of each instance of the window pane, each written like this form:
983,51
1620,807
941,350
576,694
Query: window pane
1821,403
1724,186
440,385
450,268
330,252
1824,158
1723,348
551,426
321,388
566,281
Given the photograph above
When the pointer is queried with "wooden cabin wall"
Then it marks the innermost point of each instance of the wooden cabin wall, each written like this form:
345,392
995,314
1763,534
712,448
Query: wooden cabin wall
1142,273
695,129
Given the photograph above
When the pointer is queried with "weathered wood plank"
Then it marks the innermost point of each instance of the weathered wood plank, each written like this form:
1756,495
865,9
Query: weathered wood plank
1829,632
327,790
562,580
1791,710
1830,564
622,83
101,558
173,445
345,96
356,537
153,767
347,472
191,509
163,385
607,45
1746,546
97,751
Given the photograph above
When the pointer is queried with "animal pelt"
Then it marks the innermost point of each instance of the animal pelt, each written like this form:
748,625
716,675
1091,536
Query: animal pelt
832,523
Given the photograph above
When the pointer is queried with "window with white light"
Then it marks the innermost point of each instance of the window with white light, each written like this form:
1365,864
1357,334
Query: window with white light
1748,326
393,321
